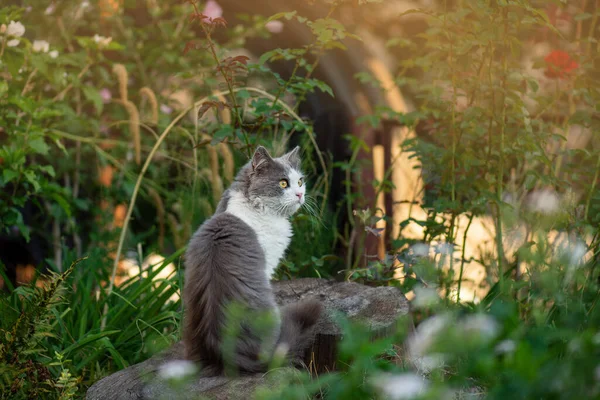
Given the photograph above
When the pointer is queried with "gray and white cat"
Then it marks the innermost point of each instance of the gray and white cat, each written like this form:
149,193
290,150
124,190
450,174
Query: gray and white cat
232,257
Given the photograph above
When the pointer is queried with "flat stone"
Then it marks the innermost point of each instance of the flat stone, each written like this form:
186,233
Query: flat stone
378,307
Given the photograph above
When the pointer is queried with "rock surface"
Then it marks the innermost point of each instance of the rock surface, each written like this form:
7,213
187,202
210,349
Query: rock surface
379,307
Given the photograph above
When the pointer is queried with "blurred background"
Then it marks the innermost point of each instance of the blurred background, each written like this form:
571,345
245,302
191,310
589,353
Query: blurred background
449,146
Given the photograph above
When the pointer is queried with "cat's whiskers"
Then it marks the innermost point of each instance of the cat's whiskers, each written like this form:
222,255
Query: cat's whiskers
312,209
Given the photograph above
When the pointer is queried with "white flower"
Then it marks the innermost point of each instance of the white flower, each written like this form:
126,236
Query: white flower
421,341
480,325
274,26
578,251
177,369
49,9
85,4
401,386
53,54
13,43
505,346
420,249
425,297
281,351
15,29
41,46
444,248
102,41
544,201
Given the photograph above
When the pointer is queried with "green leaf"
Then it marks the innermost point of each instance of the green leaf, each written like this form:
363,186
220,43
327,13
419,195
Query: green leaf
583,16
61,146
87,340
49,169
9,175
62,202
39,145
32,178
3,87
286,15
39,62
93,95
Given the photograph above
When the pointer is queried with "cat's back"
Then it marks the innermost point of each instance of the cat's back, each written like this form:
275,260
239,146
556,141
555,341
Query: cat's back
223,263
223,241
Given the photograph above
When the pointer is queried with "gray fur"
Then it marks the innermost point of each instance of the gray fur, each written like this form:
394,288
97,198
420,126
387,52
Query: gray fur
225,263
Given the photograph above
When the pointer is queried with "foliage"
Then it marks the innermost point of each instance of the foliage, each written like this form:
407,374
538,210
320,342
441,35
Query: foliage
89,111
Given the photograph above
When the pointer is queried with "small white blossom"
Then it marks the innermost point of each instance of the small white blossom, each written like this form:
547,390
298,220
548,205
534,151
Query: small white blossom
281,351
444,248
425,297
578,251
274,26
40,46
15,29
401,386
544,201
50,9
420,249
177,369
85,4
13,43
423,338
481,325
53,54
505,346
102,41
575,346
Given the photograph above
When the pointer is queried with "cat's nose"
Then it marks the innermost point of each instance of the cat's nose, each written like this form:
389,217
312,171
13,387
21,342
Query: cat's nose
299,195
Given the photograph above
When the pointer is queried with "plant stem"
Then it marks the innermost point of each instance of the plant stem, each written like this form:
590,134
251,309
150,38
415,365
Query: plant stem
282,90
211,46
592,188
500,176
3,47
462,258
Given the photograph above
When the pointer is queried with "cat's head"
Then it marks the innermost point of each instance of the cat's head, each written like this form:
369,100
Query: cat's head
277,183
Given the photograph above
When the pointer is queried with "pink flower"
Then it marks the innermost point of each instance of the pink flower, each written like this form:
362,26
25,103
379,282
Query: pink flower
212,9
274,26
166,109
106,95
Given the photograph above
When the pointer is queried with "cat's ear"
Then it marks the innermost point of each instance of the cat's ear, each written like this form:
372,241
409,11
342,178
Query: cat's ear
293,157
261,156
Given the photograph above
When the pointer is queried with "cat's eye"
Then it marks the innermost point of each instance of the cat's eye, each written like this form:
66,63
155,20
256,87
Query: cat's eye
300,182
283,183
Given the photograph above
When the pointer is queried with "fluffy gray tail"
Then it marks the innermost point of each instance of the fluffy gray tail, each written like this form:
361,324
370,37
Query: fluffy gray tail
298,323
296,335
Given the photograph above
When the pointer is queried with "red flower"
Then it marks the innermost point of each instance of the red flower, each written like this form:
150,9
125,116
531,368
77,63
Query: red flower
559,64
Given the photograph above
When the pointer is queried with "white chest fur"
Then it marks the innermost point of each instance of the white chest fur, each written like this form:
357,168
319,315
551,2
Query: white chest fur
274,232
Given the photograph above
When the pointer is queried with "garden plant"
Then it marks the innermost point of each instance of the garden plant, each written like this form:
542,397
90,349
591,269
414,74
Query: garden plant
122,122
